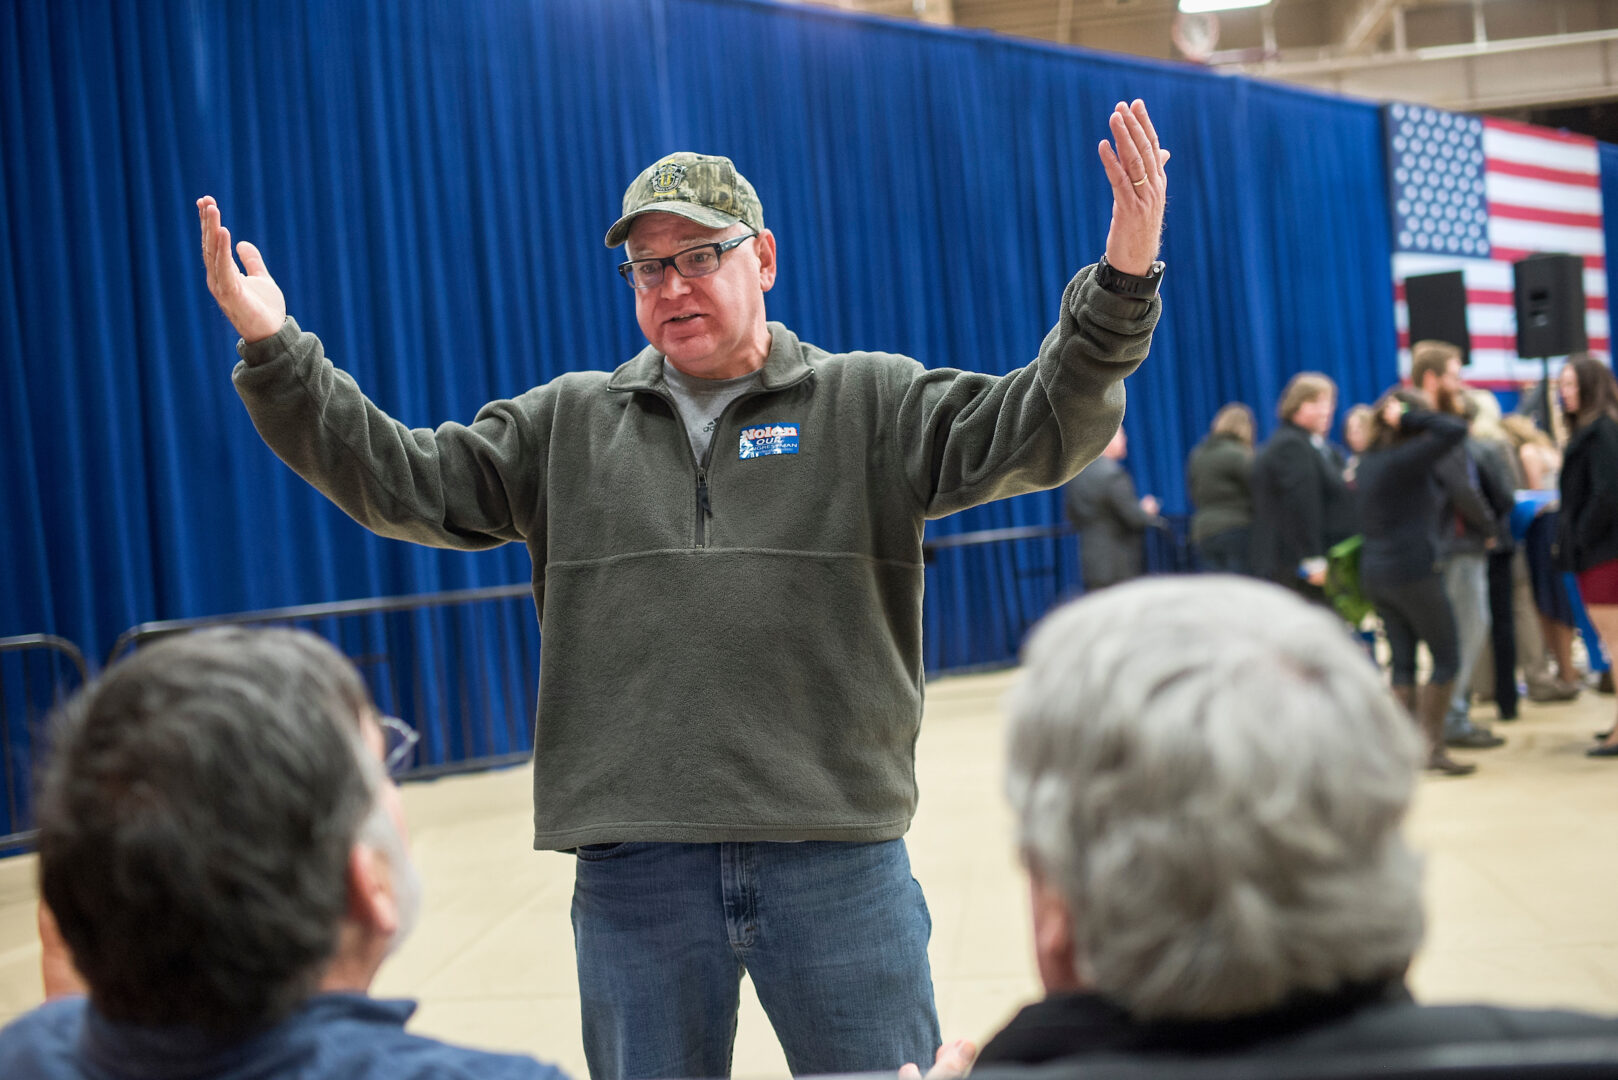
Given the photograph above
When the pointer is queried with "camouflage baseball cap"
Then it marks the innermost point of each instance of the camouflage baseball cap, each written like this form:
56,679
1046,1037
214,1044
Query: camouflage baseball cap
703,187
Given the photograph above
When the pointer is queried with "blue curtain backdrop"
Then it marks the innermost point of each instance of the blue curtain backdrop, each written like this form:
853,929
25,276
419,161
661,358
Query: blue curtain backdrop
429,182
1609,197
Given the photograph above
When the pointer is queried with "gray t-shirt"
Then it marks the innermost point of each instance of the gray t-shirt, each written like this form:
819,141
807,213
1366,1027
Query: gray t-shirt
700,402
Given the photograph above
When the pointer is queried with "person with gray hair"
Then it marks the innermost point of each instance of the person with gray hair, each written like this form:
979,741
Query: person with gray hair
1209,782
223,867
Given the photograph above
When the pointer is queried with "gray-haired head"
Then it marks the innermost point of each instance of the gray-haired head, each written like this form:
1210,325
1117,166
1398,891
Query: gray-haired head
196,818
1214,778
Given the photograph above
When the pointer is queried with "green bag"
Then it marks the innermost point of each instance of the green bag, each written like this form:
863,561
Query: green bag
1343,580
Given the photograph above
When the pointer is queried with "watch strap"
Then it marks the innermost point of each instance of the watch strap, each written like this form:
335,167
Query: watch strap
1137,286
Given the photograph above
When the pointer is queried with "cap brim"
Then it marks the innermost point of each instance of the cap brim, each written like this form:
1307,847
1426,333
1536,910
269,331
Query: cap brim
702,215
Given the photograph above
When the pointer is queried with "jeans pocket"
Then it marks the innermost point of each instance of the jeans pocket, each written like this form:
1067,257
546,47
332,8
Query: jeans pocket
601,852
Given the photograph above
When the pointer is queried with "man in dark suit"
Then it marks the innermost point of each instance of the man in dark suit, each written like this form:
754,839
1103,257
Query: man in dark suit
1301,506
1101,503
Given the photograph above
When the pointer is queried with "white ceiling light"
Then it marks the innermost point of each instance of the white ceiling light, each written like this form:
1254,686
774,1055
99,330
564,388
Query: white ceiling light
1198,6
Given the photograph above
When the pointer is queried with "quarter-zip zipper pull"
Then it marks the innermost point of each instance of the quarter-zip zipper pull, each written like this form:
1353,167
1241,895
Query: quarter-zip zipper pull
704,510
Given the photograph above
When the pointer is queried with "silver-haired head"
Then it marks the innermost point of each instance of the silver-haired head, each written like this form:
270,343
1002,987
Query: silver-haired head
1211,776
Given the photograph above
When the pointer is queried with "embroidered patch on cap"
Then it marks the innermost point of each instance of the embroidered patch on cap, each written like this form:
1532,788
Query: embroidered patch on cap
668,178
762,440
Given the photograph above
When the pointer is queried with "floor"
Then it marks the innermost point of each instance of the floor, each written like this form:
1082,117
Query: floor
1522,882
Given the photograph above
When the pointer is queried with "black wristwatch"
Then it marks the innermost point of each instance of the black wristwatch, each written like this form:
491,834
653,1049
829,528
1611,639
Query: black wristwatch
1116,281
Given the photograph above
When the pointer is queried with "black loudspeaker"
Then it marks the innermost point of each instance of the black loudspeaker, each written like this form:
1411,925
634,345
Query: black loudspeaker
1549,291
1437,304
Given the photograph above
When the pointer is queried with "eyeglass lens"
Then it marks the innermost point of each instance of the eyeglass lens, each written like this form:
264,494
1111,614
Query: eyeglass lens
692,263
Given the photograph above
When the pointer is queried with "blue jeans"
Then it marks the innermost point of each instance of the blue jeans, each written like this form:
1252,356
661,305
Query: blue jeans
834,936
1466,581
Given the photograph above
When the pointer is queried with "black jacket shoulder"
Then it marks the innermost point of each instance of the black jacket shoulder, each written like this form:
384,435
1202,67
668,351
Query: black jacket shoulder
1081,1027
1587,528
1301,504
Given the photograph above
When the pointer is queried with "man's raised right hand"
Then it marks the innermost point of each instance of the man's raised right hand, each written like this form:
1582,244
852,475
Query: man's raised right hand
252,301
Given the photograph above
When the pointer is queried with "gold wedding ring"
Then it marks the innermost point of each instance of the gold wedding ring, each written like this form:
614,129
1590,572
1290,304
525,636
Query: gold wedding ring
1139,182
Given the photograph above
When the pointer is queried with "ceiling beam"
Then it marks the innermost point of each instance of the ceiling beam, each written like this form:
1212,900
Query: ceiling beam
1327,63
1365,26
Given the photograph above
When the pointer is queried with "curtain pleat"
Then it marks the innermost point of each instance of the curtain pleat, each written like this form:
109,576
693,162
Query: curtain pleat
429,182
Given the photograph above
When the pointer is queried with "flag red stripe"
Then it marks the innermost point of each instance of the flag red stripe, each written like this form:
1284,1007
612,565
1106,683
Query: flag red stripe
1503,298
1507,344
1566,184
1500,254
1545,217
1504,342
1534,131
1540,172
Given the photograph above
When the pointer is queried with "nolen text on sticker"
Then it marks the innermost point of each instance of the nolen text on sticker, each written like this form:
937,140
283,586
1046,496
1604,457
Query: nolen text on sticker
762,440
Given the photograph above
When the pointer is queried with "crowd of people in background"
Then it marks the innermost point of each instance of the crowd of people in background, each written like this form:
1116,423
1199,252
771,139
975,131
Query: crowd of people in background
1460,528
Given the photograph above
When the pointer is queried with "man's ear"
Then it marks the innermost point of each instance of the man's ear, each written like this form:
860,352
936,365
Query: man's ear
61,978
1055,950
371,903
766,260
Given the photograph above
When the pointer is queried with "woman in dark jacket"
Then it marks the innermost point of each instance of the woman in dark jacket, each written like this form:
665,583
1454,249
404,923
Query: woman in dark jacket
1399,503
1219,475
1587,539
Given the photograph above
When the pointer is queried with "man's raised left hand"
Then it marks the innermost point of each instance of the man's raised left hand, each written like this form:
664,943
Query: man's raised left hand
1139,188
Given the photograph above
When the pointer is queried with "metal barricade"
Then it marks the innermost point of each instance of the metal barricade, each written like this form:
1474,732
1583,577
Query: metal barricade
37,673
462,667
1023,571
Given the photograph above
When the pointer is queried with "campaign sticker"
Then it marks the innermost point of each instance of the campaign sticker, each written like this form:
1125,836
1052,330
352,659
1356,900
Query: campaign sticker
762,440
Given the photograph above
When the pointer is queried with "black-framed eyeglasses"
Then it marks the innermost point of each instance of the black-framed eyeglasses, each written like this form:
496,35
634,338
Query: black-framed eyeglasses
399,739
693,262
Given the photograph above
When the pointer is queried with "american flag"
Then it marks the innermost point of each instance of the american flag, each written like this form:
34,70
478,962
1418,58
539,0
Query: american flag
1476,195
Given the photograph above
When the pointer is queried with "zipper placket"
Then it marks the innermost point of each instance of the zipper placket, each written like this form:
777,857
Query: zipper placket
704,506
704,509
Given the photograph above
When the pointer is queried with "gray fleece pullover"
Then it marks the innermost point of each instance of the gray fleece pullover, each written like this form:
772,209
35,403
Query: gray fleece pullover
732,647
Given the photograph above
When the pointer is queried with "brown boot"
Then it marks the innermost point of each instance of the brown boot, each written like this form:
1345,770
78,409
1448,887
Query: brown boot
1406,696
1433,705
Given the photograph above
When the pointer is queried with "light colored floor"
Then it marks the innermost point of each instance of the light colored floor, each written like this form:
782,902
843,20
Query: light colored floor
1522,871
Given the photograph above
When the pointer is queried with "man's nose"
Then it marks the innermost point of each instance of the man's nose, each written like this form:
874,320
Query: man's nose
674,284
